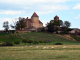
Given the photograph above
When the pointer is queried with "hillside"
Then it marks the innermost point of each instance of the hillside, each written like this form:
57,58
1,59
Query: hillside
36,36
45,36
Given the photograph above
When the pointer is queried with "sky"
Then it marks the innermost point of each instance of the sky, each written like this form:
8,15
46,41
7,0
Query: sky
66,10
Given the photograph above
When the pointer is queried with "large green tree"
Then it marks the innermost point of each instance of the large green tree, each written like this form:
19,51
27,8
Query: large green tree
6,25
67,24
19,25
50,26
60,22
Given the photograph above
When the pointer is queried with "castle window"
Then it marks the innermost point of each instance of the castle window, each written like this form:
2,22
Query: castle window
37,24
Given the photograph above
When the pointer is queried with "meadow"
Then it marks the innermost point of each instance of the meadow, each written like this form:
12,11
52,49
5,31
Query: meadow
71,52
20,52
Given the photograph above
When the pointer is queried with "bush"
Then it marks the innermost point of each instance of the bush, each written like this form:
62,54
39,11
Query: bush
35,42
7,44
13,31
40,41
58,44
24,41
17,42
30,41
43,30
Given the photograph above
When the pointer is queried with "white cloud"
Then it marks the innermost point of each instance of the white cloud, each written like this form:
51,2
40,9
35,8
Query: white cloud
6,19
32,1
77,17
10,12
77,6
44,22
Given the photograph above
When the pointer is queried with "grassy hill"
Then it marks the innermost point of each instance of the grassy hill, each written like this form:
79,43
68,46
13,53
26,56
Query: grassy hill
35,36
9,37
45,36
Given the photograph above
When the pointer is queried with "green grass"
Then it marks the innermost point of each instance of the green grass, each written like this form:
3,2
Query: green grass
35,36
45,36
9,37
72,52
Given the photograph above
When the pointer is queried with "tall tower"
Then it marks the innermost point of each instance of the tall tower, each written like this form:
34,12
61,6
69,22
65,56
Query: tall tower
35,20
56,18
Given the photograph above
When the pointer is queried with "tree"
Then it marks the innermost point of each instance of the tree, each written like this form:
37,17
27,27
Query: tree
50,26
56,22
6,26
14,24
67,24
19,24
60,22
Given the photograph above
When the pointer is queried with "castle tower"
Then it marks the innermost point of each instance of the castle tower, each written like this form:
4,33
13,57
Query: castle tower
35,20
56,18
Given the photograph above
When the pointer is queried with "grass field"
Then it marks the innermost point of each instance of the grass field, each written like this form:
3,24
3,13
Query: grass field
35,36
45,36
72,52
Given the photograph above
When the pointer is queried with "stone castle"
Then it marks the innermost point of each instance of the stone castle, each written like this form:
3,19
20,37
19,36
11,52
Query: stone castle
33,22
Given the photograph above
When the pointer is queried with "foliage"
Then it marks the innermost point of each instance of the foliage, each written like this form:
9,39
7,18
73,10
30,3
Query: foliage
58,44
50,26
7,43
45,41
67,23
25,41
65,30
13,31
17,42
40,41
43,29
30,41
60,22
19,24
35,42
6,25
56,22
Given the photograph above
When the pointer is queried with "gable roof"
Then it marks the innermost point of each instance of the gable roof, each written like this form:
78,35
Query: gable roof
34,15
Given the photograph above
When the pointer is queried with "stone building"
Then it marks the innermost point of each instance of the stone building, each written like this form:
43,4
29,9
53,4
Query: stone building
56,18
33,22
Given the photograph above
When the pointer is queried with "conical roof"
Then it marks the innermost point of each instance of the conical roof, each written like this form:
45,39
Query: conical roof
34,15
56,16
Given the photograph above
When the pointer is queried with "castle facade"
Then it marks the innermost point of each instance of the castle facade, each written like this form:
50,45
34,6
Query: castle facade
33,22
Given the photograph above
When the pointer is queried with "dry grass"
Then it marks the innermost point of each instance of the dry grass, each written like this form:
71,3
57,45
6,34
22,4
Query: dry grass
72,52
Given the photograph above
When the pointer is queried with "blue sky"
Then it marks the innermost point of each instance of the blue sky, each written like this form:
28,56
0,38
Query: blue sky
67,10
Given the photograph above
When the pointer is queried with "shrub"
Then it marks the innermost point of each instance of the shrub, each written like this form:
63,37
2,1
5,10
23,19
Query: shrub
40,41
42,29
17,42
13,31
30,41
35,42
45,41
7,44
58,44
24,41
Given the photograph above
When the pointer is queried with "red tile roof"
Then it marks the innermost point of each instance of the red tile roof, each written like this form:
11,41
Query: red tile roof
56,16
34,15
